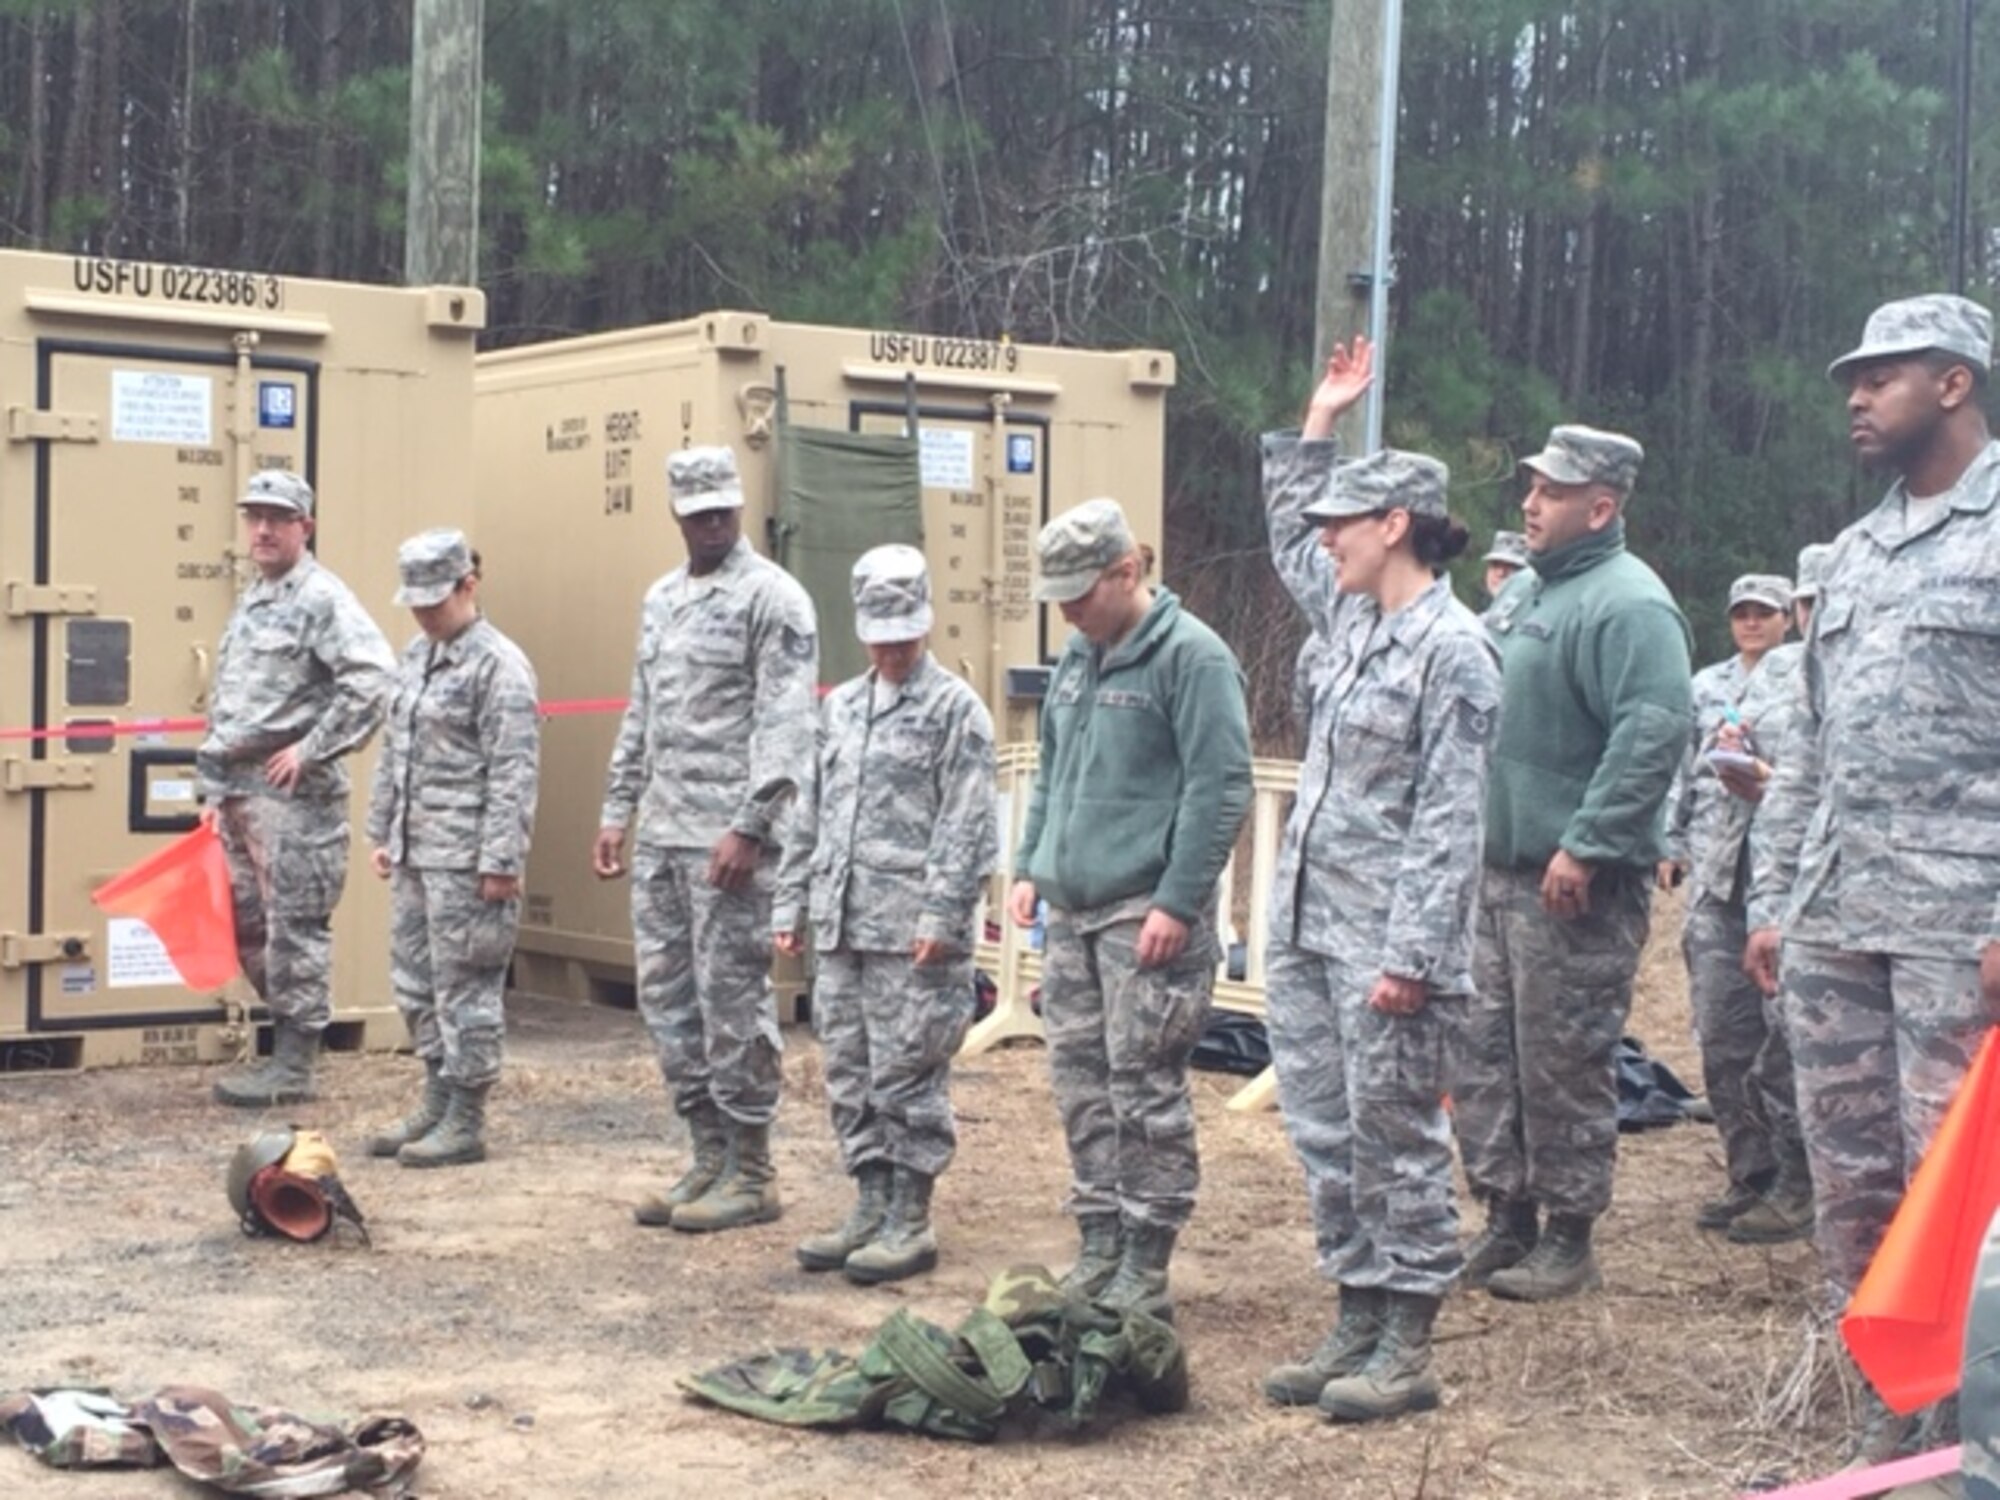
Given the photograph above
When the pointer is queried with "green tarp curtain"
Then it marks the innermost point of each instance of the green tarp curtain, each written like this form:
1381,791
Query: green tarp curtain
839,494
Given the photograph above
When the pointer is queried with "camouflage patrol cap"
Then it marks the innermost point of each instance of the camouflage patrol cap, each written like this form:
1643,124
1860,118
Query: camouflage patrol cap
892,596
1386,480
1588,455
431,565
700,479
1916,325
280,489
1509,547
1076,547
1812,569
1767,589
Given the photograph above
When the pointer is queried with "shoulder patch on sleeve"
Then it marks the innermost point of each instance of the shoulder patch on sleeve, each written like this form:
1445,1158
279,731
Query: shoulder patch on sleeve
800,645
1474,722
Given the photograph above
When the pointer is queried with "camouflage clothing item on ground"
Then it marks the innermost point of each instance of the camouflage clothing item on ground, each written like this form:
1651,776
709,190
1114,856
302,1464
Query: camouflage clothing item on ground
236,1447
1025,1348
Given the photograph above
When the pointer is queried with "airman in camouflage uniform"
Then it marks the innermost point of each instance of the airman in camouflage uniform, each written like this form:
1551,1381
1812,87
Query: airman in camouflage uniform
719,725
301,679
449,819
1370,953
1883,864
1507,556
1741,705
1144,781
1593,722
1805,592
896,837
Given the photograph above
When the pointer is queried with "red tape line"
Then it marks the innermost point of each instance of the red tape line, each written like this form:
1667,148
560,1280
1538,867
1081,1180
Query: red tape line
90,729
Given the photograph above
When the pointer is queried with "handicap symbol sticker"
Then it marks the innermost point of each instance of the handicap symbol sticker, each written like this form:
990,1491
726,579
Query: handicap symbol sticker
277,404
1021,453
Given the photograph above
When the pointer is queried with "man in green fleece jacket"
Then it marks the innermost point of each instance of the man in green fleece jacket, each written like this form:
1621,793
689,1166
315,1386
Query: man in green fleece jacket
1594,715
1144,781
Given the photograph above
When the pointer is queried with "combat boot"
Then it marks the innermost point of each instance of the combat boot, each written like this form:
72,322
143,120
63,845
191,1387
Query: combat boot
460,1136
285,1077
1884,1434
1783,1214
419,1121
710,1136
829,1249
1097,1262
747,1193
1511,1232
1560,1266
1141,1282
1343,1352
1720,1213
1397,1377
907,1245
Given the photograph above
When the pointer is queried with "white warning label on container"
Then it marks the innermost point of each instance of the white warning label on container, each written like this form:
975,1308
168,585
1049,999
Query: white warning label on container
134,956
154,406
945,456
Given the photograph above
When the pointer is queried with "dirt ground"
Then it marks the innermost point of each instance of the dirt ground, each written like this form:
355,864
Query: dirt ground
534,1333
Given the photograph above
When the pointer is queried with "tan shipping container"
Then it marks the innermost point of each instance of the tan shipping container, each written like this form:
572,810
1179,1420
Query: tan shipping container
573,524
138,399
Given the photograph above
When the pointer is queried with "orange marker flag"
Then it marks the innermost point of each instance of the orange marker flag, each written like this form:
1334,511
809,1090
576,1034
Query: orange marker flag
182,893
1905,1325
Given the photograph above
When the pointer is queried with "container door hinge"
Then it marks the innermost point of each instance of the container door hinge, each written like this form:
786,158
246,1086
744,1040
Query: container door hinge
27,425
50,599
72,774
19,949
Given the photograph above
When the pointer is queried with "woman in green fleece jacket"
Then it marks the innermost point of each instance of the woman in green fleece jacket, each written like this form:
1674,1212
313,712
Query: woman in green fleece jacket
1144,781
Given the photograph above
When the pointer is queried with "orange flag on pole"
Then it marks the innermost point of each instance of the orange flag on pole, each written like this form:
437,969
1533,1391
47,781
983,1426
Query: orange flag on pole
1905,1325
182,893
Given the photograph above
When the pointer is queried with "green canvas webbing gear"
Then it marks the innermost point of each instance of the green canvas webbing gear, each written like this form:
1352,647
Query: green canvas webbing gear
1028,1348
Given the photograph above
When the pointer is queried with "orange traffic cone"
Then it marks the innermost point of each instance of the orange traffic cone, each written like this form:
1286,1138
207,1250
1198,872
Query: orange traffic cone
182,893
1905,1325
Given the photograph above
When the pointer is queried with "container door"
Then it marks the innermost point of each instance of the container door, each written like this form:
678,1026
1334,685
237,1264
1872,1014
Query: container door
146,517
986,495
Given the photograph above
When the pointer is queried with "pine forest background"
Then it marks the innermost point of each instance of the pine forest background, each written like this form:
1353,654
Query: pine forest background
1664,216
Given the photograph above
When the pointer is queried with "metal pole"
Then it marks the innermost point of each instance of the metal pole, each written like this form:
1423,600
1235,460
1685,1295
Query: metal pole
1961,148
1385,197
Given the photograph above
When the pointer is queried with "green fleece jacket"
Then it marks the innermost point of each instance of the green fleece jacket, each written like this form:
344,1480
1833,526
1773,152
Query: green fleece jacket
1145,773
1594,708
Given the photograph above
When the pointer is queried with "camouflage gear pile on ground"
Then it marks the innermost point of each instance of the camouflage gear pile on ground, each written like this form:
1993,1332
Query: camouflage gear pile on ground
1881,855
719,723
300,664
237,1448
453,800
1026,1349
1745,1057
1377,874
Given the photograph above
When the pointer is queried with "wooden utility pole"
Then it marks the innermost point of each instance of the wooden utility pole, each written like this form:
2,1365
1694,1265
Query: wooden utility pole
441,239
1347,188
